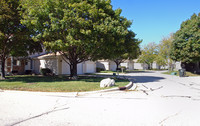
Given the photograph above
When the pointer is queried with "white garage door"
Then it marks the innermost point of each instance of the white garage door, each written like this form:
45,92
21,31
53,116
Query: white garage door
65,68
80,68
90,68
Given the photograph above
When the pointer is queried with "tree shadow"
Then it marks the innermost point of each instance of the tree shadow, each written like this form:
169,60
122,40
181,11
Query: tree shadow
36,79
139,71
146,79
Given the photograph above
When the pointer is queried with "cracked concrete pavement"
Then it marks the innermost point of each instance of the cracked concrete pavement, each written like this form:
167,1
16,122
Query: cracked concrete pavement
159,100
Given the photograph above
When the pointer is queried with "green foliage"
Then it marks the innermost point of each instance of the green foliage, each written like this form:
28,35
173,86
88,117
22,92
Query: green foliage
149,54
128,50
164,49
186,44
55,83
15,38
46,71
160,60
79,30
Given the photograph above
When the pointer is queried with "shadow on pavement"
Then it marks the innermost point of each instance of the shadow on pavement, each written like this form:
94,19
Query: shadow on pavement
139,71
146,79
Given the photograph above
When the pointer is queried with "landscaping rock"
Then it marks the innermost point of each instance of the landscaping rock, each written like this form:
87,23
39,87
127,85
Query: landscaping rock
107,82
112,82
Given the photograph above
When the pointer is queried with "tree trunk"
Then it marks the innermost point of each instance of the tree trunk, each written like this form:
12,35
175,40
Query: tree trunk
73,70
2,69
117,62
117,66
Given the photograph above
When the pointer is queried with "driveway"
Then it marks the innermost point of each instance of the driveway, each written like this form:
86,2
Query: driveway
159,100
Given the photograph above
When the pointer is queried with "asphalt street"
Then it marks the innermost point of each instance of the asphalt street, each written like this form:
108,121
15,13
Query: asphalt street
158,100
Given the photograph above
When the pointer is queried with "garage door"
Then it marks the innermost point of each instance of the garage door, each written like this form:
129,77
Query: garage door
90,68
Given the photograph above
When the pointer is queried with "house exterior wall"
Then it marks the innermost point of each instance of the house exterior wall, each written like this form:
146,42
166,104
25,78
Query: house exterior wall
113,66
65,68
104,65
154,66
124,65
129,65
18,68
45,63
28,65
177,65
80,68
89,67
51,64
59,66
140,66
36,66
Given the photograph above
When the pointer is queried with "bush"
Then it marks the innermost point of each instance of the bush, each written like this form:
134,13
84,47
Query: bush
14,72
46,71
28,72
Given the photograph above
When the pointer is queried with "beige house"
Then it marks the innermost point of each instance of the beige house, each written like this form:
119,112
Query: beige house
58,65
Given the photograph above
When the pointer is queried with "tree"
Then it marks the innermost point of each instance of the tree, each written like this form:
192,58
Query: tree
186,43
164,49
14,37
79,30
127,51
148,54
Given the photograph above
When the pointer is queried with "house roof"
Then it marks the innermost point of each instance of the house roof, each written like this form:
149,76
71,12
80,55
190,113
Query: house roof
47,56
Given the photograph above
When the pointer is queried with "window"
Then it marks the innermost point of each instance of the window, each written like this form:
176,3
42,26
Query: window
16,62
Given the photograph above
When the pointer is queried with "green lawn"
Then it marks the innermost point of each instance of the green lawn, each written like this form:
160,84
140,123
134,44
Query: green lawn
54,84
177,73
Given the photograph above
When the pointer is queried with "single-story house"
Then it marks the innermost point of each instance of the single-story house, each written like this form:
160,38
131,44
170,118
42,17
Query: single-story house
58,65
111,65
143,66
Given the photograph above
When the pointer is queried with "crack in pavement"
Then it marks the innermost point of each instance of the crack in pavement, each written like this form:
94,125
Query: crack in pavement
150,89
165,119
45,113
179,96
99,97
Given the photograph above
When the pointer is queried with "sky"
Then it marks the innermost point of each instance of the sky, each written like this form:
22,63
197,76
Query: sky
155,19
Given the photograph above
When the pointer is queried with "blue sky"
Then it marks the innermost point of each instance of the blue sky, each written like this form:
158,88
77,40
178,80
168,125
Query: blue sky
155,19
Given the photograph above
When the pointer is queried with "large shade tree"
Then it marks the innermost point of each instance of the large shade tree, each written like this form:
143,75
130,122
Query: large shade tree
15,38
148,54
129,50
79,29
164,48
186,44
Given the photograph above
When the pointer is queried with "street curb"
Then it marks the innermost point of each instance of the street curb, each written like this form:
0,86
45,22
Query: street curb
128,86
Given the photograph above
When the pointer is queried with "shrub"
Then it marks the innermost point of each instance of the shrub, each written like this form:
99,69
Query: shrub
14,72
28,72
46,71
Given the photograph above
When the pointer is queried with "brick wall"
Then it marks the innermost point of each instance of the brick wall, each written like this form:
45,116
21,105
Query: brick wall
19,68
